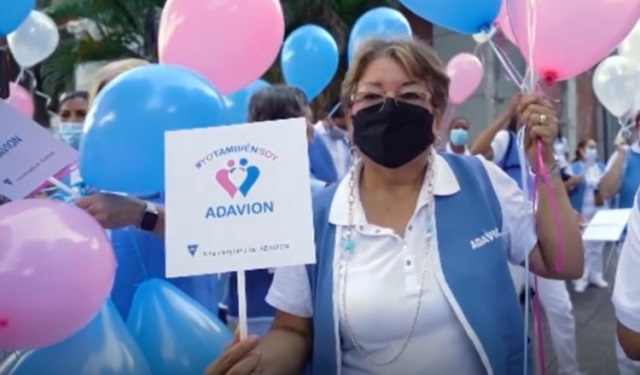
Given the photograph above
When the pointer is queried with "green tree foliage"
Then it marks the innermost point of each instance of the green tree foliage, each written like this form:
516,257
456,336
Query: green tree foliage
128,28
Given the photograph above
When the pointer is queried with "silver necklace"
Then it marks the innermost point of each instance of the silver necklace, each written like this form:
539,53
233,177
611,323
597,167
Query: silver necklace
348,247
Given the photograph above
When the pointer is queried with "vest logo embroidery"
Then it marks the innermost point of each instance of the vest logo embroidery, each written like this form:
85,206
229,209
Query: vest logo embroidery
486,238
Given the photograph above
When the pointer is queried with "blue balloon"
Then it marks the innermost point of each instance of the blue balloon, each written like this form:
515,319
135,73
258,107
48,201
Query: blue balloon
309,59
123,145
12,13
378,23
238,102
176,334
463,16
104,347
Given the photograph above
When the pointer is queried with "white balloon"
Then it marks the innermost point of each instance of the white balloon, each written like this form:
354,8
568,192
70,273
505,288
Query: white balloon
630,46
616,83
484,36
34,40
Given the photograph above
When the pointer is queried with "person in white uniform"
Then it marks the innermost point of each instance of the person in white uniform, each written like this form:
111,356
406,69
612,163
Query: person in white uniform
626,291
458,136
553,294
333,131
418,240
586,199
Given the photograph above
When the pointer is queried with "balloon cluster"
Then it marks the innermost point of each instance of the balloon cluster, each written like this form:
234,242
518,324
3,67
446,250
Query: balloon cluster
32,37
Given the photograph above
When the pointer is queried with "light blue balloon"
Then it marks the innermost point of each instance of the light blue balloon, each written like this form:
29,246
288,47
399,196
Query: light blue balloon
12,13
123,145
379,23
238,102
104,347
176,334
309,59
463,16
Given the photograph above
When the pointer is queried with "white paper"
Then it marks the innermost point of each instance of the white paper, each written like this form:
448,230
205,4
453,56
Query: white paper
217,221
607,225
29,154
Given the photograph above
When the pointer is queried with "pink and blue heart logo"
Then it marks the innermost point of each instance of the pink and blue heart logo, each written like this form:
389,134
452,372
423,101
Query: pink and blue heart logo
238,178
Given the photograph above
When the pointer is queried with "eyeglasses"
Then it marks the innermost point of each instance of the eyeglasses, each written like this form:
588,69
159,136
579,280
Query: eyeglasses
368,99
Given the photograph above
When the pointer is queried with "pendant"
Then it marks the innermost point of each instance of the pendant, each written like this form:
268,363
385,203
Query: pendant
348,245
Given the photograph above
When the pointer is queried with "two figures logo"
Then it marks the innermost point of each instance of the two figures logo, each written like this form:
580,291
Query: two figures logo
238,178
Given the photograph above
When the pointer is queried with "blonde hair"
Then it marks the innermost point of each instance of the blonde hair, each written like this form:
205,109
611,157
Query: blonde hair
417,59
111,71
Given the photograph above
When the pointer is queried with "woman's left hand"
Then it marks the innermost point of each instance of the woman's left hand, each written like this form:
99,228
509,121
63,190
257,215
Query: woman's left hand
542,124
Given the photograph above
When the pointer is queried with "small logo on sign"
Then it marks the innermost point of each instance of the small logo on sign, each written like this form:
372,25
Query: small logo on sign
238,177
192,249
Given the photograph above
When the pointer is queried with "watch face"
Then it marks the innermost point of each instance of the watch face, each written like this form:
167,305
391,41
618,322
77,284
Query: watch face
149,221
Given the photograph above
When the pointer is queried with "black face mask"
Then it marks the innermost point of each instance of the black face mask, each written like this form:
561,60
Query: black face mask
393,133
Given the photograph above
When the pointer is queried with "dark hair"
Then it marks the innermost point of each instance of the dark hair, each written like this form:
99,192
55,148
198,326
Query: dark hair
277,103
582,144
84,95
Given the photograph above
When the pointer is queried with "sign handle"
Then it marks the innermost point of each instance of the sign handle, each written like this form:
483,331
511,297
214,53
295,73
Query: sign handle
64,187
242,305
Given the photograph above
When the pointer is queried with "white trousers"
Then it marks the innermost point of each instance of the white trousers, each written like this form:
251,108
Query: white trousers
557,307
593,263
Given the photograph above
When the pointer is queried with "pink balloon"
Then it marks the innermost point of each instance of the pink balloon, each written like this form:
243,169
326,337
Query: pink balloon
569,34
230,42
56,270
505,27
465,71
502,14
20,99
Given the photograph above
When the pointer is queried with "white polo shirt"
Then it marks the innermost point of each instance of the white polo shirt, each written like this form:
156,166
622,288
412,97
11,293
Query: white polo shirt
384,277
626,291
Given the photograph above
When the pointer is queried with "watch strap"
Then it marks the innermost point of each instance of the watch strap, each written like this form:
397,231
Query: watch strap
149,217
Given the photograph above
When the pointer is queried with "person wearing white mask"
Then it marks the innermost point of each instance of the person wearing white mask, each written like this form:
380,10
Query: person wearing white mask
458,136
73,110
586,199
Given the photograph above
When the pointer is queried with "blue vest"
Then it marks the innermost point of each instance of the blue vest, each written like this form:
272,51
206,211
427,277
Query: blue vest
511,162
321,161
478,279
258,283
576,196
630,180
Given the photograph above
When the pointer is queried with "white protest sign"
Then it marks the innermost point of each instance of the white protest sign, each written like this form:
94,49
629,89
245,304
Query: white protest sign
238,198
29,154
607,225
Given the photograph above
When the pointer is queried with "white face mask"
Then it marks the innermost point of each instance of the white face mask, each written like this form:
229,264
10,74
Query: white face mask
70,132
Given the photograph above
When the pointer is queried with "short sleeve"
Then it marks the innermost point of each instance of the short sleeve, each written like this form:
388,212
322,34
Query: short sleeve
499,146
290,291
518,221
626,292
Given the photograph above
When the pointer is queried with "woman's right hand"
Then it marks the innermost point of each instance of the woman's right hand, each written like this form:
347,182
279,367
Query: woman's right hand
238,358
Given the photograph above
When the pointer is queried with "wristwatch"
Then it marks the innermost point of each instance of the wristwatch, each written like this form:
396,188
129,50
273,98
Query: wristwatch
149,217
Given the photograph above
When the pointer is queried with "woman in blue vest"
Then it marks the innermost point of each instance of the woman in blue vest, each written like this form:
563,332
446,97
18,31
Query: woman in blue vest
269,104
586,199
412,246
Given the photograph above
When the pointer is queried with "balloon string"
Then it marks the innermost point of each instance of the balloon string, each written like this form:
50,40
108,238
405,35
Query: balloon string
525,178
537,306
514,76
